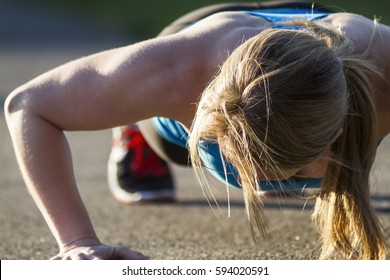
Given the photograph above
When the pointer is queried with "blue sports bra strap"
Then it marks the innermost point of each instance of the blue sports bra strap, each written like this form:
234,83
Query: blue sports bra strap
201,13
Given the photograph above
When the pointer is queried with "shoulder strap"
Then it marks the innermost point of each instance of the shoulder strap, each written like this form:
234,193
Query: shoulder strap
201,13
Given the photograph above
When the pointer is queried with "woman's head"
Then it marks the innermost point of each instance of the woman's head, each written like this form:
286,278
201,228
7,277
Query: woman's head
283,93
277,103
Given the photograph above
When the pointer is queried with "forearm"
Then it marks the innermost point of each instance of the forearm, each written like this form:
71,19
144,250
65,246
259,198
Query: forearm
100,91
45,161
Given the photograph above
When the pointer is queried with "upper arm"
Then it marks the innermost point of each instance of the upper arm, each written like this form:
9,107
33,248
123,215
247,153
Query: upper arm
369,37
373,39
114,87
159,77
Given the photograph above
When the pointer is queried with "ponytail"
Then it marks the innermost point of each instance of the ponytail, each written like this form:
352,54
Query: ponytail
277,103
343,211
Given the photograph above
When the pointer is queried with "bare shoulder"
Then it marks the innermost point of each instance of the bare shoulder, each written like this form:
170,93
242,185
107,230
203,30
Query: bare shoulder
233,19
367,34
219,34
373,38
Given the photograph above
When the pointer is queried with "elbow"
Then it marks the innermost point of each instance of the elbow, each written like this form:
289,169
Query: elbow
15,105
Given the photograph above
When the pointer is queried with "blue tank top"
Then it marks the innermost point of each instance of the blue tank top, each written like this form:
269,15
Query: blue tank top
210,153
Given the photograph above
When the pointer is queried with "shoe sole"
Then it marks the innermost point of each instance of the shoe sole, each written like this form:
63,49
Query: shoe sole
161,196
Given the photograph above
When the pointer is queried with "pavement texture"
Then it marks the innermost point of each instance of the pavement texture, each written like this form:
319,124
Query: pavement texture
33,41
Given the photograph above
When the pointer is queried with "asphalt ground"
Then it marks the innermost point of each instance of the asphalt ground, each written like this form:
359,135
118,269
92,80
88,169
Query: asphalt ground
187,229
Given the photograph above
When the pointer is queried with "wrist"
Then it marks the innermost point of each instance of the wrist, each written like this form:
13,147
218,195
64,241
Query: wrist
82,241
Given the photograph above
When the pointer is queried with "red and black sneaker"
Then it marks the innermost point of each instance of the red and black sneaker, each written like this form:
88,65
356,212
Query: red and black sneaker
135,172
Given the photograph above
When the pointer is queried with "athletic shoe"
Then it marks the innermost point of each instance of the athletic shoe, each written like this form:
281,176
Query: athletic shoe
135,172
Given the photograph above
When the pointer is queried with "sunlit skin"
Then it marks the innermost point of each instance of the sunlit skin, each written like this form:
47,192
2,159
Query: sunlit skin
78,95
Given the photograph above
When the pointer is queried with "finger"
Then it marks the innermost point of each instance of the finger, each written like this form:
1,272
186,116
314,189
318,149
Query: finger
124,253
79,256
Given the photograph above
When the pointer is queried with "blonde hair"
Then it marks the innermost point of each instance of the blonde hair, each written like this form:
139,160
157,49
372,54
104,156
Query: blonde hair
277,103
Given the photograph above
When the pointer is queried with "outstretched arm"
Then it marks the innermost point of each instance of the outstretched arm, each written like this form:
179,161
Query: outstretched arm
162,77
374,40
100,91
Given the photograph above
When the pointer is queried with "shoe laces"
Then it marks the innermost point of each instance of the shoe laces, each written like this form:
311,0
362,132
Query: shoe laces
144,161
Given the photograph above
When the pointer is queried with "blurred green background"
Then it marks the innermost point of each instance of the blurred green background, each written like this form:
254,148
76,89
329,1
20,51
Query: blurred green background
147,18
